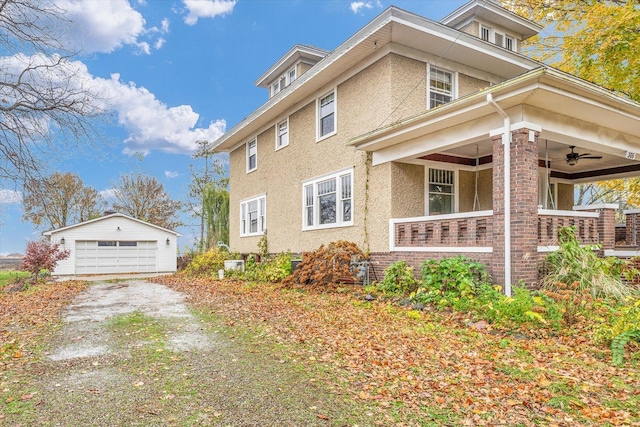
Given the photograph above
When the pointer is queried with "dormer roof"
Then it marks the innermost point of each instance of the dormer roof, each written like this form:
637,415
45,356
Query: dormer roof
489,11
308,54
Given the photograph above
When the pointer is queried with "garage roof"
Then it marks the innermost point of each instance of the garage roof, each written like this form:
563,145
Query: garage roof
114,215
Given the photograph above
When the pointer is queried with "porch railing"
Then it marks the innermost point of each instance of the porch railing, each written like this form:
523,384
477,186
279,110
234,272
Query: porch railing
549,221
460,232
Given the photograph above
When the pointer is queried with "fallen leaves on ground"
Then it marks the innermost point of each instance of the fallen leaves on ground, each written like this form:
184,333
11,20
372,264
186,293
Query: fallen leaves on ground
432,368
25,314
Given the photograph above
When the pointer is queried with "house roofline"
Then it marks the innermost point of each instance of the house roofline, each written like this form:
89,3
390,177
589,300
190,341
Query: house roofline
392,14
296,52
114,215
527,28
365,141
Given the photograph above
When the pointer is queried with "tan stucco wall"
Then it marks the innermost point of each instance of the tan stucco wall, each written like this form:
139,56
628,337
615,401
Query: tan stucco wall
302,68
565,196
391,88
362,104
472,28
467,187
407,190
467,85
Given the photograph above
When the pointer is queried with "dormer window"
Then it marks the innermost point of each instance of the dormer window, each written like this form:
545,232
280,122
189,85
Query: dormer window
285,80
510,43
485,33
489,35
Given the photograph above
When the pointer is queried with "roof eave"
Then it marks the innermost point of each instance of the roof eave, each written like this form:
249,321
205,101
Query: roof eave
117,214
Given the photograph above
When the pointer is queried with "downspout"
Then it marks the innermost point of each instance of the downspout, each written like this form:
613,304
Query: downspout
506,143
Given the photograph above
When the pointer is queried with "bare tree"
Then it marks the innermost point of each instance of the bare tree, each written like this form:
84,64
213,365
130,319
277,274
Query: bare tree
143,197
60,200
46,103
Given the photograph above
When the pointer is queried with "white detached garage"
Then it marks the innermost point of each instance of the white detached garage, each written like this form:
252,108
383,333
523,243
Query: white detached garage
115,243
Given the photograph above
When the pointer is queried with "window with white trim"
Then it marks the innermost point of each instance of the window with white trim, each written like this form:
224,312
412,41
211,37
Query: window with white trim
510,43
327,115
328,201
253,216
283,81
252,155
485,33
441,87
441,191
282,134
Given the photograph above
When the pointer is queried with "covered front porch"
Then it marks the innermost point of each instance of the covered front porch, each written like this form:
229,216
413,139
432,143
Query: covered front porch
561,131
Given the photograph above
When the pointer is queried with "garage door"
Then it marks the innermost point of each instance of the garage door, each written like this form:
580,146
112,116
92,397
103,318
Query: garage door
108,256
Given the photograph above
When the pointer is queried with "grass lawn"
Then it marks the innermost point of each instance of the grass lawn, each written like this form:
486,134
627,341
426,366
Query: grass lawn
8,276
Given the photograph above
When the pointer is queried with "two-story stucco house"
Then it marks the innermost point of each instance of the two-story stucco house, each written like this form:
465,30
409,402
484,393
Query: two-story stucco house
396,140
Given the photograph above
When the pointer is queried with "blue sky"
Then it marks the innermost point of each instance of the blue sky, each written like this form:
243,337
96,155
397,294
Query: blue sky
178,71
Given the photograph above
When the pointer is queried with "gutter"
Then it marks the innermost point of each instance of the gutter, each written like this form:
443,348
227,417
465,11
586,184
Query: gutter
506,143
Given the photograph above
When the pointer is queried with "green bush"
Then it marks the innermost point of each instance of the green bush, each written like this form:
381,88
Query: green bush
207,263
450,281
623,325
523,307
573,263
271,269
398,280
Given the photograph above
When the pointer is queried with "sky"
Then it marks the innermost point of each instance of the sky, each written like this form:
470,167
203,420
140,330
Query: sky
179,71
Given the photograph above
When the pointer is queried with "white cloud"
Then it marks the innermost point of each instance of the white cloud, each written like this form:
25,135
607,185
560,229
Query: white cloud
171,174
10,197
109,194
207,9
358,6
101,26
159,43
105,26
151,125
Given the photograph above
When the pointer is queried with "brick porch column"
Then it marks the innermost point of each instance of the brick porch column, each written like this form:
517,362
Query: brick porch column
633,226
524,207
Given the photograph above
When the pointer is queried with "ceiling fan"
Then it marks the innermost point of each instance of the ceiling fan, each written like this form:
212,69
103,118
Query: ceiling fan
573,157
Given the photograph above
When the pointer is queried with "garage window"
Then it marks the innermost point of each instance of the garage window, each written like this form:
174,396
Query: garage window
106,243
128,243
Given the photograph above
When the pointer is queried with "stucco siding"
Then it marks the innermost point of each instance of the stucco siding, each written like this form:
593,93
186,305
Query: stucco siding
409,88
468,84
363,102
565,196
472,28
467,190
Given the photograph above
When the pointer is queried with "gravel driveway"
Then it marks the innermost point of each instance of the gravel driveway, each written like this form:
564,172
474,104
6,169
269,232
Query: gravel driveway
131,353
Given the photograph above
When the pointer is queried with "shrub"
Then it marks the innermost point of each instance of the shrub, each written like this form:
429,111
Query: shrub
327,264
207,263
622,327
270,269
42,255
573,263
573,301
450,280
523,307
398,280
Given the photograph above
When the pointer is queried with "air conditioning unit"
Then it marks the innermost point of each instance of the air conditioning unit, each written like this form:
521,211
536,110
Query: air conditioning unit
234,264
